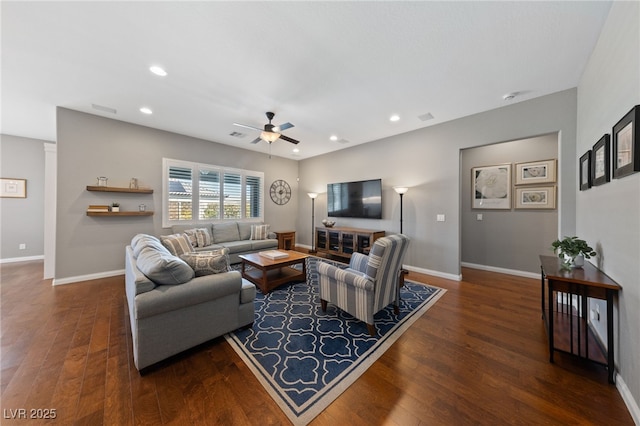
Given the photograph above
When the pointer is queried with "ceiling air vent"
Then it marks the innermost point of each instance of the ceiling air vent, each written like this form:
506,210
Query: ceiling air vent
237,134
104,108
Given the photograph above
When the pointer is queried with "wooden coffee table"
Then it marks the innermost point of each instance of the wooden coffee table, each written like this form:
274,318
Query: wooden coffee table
270,273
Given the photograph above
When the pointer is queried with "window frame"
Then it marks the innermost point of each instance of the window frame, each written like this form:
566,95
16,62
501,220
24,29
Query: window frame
195,168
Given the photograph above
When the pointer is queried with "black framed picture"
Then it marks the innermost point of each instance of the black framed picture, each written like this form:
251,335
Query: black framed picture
600,155
626,144
585,171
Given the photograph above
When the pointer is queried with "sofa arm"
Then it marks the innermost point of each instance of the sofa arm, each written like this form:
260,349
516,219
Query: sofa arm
344,276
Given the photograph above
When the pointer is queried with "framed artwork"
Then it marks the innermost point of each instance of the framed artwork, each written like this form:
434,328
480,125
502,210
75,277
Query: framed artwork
585,171
491,187
536,172
538,197
600,162
626,144
13,188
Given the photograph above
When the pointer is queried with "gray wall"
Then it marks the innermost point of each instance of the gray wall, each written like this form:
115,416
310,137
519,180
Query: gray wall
22,219
428,161
91,146
510,239
608,215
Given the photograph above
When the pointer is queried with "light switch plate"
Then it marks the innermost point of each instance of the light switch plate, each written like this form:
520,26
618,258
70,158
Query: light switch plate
479,216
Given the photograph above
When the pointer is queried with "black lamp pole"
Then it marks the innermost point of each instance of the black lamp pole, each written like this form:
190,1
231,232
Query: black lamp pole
313,196
401,213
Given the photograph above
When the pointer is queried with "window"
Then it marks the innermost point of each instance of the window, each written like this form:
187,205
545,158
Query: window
194,193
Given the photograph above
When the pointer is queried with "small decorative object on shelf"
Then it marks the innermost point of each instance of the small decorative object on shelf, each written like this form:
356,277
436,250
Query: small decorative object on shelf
142,207
572,251
328,223
133,183
102,181
115,207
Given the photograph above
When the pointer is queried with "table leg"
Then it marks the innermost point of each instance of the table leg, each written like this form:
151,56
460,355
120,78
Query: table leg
610,357
550,295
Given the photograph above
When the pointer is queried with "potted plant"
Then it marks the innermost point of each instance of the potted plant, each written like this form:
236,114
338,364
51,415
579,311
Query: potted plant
115,207
572,251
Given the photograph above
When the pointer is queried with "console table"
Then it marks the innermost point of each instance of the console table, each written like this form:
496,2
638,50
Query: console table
582,283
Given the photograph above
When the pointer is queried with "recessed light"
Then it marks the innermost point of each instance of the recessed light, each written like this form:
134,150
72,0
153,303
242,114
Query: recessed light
296,150
146,110
158,71
394,117
333,138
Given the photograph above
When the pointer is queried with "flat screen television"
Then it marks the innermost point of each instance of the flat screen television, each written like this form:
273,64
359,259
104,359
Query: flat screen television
362,199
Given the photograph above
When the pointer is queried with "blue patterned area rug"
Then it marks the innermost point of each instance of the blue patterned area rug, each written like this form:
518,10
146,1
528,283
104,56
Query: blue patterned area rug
306,358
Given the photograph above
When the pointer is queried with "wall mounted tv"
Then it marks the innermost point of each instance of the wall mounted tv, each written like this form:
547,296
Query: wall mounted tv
362,199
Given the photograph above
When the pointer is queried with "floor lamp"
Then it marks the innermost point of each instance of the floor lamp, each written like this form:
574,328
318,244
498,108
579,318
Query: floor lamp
401,190
313,196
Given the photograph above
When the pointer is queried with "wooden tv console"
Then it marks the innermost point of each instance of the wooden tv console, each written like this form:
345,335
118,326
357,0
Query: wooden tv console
342,241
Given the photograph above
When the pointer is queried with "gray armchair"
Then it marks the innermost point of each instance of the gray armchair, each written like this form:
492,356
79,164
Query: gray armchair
369,284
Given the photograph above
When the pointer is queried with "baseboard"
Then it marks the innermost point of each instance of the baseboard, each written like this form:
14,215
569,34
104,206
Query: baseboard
88,277
438,274
21,259
515,272
631,403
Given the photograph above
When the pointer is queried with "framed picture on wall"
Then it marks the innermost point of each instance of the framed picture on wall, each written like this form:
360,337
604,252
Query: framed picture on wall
539,197
491,187
536,172
585,171
13,188
626,144
600,162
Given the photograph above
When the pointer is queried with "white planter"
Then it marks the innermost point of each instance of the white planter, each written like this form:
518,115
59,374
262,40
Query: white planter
115,209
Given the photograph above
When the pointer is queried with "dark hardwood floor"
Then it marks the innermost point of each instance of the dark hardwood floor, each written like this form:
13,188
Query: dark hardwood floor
479,356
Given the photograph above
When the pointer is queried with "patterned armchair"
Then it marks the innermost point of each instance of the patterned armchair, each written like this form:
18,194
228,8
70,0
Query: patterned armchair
369,284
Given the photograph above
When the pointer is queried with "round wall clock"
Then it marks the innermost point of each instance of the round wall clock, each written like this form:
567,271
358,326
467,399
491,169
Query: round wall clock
280,192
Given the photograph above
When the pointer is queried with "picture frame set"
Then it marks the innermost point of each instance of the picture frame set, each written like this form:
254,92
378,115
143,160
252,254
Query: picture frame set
534,186
13,188
614,156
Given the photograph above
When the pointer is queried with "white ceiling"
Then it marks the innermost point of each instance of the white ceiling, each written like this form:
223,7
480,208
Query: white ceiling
330,68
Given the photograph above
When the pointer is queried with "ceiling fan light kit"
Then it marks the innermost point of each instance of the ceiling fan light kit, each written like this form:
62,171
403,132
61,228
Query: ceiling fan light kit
270,133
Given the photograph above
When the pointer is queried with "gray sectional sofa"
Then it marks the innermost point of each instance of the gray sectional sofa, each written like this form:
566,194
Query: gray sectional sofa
171,310
236,236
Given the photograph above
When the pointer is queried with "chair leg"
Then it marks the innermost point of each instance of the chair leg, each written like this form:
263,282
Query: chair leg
396,308
323,305
372,330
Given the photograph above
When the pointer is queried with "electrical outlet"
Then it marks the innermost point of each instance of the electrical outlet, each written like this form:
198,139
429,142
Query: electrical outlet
479,216
440,218
22,246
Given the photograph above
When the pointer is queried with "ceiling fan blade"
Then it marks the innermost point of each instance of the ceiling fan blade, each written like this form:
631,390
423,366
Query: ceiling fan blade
247,126
256,140
288,139
282,127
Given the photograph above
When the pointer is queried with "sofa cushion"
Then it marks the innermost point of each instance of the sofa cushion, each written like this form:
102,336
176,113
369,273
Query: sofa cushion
225,231
259,232
248,292
141,241
163,268
238,246
264,244
208,262
245,229
177,244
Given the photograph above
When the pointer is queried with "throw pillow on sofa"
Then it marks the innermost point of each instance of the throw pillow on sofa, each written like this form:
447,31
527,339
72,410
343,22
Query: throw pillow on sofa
208,262
177,244
163,268
259,232
199,237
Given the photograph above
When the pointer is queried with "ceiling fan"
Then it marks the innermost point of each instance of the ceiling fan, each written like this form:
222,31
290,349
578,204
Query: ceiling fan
270,133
